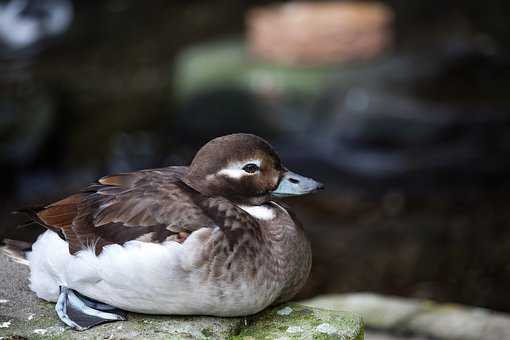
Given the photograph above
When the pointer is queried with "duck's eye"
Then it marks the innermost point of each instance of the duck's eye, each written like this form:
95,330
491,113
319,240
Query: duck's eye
251,168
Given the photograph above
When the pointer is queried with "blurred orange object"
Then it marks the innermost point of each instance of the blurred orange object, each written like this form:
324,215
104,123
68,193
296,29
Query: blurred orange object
319,33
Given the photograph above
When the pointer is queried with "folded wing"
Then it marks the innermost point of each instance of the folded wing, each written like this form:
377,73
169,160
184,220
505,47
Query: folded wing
150,205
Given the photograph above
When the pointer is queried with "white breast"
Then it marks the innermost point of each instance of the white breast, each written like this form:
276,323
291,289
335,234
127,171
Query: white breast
262,212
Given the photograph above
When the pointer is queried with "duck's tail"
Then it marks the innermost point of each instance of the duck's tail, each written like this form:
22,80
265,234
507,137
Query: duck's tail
16,250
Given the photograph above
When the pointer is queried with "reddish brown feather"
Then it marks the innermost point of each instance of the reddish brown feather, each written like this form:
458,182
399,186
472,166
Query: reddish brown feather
127,205
58,216
70,200
124,180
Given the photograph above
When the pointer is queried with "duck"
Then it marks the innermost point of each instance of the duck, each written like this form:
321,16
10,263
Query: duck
212,238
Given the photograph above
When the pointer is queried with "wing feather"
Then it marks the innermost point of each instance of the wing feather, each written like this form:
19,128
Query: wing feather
151,204
123,207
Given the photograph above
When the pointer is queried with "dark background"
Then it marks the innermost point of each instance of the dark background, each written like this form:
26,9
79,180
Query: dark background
417,199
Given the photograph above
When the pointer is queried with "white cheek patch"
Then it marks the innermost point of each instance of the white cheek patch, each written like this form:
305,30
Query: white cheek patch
235,169
232,173
259,211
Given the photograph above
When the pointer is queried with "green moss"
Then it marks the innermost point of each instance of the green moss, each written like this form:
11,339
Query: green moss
303,322
207,332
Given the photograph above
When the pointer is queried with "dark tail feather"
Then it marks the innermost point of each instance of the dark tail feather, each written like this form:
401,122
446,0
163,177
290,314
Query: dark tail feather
16,250
26,224
30,212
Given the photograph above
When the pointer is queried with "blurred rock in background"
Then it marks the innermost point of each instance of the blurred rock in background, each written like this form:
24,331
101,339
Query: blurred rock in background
411,141
318,33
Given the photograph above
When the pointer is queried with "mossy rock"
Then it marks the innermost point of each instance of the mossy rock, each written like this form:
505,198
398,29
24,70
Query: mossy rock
24,316
294,321
290,321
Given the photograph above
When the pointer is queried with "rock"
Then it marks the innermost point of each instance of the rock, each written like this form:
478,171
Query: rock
23,315
459,322
420,317
300,322
311,33
378,311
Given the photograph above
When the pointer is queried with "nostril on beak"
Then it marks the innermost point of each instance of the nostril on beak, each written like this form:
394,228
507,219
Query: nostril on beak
293,180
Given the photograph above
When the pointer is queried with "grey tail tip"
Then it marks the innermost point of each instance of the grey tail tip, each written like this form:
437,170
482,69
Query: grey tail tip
16,251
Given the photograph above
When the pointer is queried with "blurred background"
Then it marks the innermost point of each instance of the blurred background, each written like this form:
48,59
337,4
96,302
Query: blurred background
400,107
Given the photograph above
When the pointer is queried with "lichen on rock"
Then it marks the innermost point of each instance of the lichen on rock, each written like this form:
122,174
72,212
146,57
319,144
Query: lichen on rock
303,323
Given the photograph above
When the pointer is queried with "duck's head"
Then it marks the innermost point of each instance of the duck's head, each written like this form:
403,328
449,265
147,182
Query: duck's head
245,169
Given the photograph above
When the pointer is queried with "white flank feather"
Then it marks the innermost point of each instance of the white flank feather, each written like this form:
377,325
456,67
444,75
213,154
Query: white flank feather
144,277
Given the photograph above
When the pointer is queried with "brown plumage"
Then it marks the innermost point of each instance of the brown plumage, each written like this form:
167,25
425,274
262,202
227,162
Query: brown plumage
128,206
237,245
165,202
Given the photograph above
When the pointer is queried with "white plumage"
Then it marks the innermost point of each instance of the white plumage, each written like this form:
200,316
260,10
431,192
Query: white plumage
144,277
260,212
235,169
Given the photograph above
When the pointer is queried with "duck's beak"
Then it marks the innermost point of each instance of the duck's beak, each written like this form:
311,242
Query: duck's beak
292,184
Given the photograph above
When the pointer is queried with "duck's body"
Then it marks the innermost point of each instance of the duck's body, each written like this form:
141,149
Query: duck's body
206,274
207,239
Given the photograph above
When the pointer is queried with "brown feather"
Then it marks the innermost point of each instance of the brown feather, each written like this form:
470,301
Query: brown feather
125,207
153,205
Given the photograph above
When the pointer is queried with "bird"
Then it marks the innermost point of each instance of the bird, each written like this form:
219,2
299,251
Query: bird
212,238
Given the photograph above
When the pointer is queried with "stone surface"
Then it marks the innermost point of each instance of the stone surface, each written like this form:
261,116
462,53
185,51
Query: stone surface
23,315
378,311
319,33
459,322
371,335
419,317
299,322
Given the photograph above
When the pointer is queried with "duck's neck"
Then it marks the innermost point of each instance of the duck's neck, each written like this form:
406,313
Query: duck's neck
286,242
